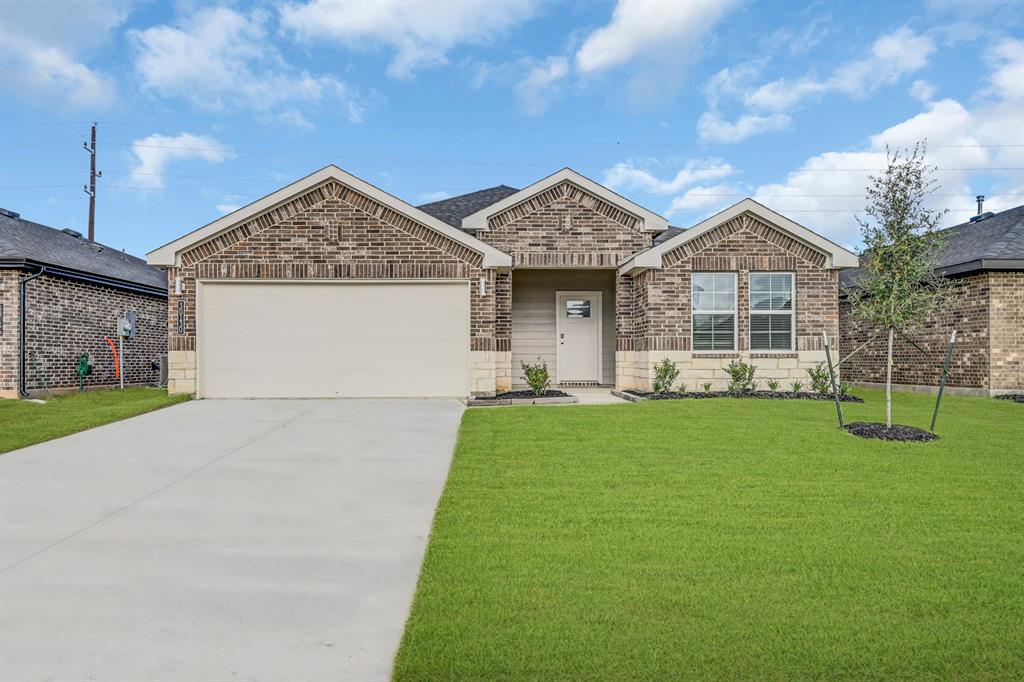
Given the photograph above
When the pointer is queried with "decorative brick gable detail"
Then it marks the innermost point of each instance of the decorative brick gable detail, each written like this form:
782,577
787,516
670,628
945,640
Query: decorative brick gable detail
332,232
754,226
565,227
564,191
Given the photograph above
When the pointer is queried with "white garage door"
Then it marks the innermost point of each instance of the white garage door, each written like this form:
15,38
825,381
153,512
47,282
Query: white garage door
306,340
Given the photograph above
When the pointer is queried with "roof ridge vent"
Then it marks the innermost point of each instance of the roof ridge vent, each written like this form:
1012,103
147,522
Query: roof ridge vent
9,213
73,233
979,218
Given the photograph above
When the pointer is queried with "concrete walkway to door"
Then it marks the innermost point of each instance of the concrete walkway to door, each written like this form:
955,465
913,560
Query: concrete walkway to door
221,540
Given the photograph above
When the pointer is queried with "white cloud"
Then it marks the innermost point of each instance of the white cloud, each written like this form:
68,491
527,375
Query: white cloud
648,28
704,197
420,33
892,56
828,189
922,90
43,52
711,126
626,176
153,153
218,58
540,83
227,208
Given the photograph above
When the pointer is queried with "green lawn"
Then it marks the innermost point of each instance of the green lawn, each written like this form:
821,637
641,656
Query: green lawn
25,423
725,539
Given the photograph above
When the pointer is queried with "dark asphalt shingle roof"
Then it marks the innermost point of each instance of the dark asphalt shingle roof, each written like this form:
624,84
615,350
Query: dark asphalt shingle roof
998,237
24,240
454,209
668,234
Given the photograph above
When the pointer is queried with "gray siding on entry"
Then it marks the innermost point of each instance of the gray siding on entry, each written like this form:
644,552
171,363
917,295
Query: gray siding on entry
533,316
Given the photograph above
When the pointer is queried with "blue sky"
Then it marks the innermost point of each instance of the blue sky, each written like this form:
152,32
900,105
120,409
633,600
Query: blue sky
683,107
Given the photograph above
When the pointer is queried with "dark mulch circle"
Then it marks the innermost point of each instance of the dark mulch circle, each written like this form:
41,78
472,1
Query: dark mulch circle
759,395
894,432
523,394
1012,397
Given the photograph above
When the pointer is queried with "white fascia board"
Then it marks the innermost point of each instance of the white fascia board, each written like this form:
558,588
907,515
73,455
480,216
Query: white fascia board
168,254
652,222
838,257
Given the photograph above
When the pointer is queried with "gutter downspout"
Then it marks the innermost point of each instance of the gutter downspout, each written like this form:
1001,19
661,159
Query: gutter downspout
22,386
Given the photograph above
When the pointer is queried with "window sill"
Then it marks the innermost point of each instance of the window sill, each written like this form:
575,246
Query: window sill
715,354
774,354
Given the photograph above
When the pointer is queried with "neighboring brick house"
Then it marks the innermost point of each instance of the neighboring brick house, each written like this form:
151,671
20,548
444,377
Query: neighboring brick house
985,259
332,287
61,296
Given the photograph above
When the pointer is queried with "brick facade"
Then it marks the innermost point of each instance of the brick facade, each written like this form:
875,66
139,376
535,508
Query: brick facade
66,318
988,316
333,232
658,323
330,232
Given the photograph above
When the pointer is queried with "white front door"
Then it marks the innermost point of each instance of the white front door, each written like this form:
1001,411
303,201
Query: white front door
578,335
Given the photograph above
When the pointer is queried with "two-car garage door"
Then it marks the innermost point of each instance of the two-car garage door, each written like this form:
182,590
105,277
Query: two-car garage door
320,339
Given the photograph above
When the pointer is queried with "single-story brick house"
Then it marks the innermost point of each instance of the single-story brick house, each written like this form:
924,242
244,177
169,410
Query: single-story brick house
332,287
985,257
62,295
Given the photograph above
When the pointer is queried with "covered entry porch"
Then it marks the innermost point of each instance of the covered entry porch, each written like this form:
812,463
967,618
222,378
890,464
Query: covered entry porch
566,318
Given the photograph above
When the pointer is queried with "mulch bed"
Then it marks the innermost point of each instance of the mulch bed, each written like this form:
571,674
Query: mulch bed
894,432
760,395
514,395
1012,397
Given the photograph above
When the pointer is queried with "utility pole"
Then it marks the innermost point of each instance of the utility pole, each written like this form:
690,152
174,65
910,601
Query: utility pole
90,189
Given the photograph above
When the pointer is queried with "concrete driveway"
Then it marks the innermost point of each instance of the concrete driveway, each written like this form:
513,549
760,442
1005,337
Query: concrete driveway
221,540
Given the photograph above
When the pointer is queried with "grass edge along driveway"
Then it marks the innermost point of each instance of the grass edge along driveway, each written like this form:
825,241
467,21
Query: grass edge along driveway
726,539
24,423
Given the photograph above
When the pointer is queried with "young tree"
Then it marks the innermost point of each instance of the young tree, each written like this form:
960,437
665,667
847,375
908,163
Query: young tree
899,286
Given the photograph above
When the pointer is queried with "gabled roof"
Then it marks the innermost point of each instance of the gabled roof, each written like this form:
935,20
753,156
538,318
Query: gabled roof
454,209
168,254
652,222
992,243
838,257
27,243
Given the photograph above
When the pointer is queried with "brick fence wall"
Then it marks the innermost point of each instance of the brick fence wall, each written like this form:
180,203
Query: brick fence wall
970,367
66,318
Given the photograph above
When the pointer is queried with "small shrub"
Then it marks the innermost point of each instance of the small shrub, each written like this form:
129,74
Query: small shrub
773,385
819,378
797,387
741,376
537,376
844,390
665,374
707,387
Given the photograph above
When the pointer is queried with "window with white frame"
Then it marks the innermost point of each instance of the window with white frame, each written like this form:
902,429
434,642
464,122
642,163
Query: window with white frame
771,311
714,311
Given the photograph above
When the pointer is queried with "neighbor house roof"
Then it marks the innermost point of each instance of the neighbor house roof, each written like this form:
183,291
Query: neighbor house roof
995,242
168,254
24,243
454,209
838,257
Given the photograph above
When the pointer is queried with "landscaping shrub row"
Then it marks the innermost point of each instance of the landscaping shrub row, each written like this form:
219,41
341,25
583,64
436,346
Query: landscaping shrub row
762,395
